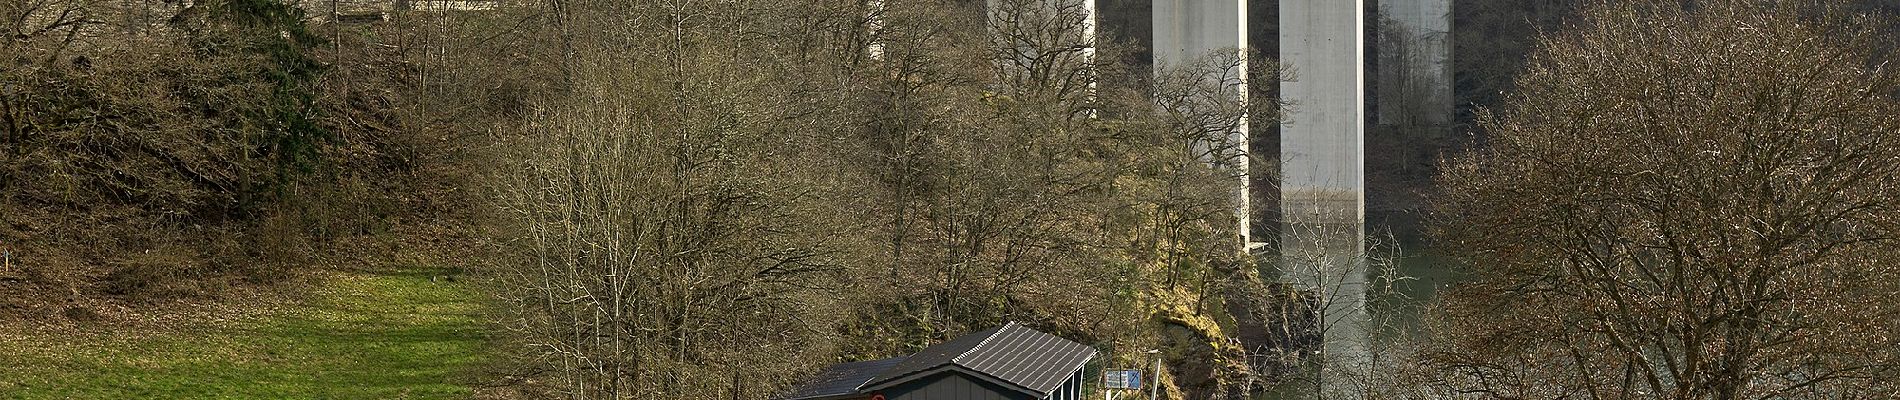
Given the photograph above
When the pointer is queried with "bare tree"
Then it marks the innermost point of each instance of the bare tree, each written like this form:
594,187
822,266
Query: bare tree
1338,319
946,182
664,235
1683,200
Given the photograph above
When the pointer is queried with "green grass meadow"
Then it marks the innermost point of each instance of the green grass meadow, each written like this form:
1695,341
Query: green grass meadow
361,336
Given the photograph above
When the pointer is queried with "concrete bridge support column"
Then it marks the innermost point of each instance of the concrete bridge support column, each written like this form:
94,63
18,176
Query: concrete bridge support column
1415,64
1322,159
1190,31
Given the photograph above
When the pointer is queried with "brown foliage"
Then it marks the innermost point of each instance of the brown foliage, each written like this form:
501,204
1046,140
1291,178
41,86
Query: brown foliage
160,150
1682,201
706,211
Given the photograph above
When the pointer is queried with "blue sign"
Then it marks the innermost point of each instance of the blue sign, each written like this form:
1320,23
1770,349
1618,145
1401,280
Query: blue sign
1121,379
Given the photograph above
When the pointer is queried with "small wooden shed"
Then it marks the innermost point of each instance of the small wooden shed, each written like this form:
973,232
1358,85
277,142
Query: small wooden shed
1010,362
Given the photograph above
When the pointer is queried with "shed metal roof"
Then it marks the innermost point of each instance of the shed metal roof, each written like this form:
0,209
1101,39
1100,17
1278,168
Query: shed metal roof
1033,361
840,380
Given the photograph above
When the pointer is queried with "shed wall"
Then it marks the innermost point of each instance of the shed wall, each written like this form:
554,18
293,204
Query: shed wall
952,385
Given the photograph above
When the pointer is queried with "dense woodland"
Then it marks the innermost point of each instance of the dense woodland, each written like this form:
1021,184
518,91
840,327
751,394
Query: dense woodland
1644,199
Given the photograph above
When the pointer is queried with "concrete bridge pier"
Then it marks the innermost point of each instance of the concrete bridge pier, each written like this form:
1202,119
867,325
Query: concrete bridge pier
1322,145
1415,64
1189,31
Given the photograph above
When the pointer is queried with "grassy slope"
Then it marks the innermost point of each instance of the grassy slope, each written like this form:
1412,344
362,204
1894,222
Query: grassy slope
363,336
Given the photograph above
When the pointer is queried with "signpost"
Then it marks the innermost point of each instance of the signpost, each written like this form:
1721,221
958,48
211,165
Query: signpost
1122,379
